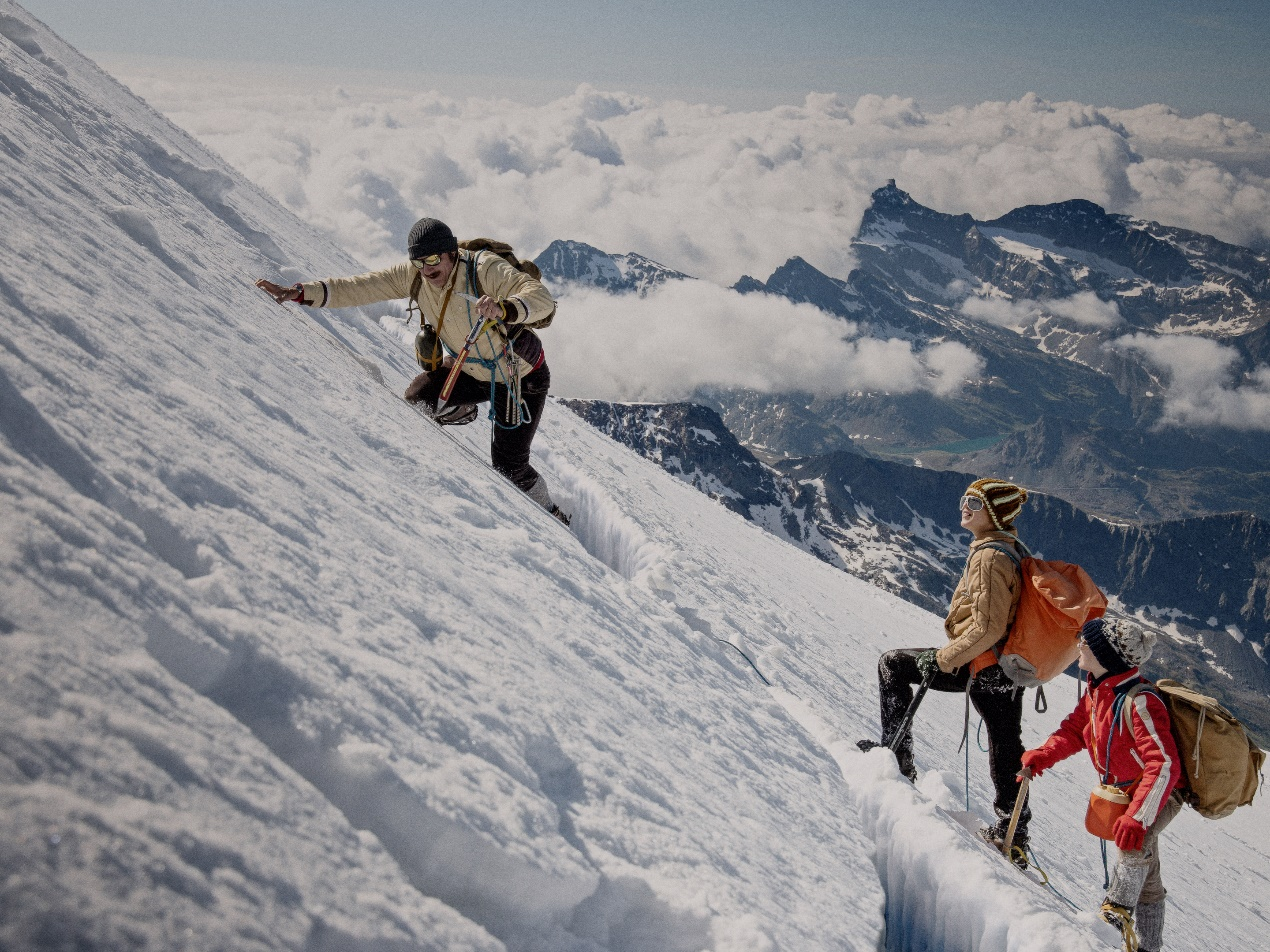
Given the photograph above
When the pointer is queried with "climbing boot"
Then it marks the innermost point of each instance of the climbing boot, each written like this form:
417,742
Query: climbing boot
905,761
457,415
994,836
1122,918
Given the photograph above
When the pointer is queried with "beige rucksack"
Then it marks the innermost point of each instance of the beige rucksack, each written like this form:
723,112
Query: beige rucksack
1221,762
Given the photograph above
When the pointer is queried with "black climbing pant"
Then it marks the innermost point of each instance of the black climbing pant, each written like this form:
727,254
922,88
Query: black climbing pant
997,699
510,450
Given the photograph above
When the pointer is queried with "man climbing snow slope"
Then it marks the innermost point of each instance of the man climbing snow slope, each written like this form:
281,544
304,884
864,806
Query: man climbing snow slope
464,293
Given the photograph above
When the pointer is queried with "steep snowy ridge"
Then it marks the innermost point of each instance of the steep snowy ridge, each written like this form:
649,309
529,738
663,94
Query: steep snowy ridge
285,666
1189,580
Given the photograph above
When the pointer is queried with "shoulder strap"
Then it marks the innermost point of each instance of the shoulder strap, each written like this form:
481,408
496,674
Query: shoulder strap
474,287
473,278
1008,550
415,285
1126,696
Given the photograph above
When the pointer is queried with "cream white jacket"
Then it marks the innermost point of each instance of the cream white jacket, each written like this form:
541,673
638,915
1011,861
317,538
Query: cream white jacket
526,300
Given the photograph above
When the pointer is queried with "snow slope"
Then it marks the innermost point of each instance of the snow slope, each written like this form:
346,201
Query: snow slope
285,666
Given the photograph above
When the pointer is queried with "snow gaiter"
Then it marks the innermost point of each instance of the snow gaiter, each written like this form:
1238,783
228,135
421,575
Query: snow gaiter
1127,881
1149,922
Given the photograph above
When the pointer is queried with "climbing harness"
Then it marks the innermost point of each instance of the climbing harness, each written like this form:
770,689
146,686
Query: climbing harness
516,411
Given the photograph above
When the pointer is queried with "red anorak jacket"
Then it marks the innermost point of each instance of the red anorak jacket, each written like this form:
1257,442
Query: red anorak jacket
1143,755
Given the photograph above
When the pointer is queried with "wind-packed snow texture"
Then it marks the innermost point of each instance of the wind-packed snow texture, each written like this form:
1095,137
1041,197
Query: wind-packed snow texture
286,666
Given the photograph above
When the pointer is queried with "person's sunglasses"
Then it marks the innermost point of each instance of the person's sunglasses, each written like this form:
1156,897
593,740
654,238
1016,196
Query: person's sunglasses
973,503
430,261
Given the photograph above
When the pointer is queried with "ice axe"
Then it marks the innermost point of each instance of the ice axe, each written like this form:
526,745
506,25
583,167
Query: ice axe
902,730
479,328
1025,778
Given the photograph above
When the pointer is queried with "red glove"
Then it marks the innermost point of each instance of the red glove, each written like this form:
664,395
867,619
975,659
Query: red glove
1037,761
1130,834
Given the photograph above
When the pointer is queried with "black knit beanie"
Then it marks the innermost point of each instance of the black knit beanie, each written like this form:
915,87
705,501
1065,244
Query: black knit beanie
430,237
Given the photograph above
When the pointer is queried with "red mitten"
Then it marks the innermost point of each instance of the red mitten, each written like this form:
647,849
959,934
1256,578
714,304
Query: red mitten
1130,834
1037,761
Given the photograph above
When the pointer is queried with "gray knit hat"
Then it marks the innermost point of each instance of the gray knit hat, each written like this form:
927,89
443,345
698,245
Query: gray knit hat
430,237
1117,644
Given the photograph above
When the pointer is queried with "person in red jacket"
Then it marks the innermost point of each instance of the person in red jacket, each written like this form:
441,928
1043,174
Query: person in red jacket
1128,735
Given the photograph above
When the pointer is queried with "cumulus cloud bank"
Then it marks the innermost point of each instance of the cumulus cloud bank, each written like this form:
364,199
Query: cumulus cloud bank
1084,308
707,191
685,335
716,194
1203,385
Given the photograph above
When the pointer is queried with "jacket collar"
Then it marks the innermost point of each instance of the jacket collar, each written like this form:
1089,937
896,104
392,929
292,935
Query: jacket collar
994,536
1112,682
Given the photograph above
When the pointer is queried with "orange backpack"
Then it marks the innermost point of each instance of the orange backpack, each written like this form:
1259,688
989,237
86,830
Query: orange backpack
1056,600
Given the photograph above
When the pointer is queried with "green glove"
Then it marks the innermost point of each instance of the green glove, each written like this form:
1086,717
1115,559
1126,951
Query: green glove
927,666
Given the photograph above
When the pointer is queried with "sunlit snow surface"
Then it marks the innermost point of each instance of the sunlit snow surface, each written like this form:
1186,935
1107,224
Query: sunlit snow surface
285,666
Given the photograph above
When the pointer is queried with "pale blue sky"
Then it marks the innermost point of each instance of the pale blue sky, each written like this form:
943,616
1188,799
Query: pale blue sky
1197,57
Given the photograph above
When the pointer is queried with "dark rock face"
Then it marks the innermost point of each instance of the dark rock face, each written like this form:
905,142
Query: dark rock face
692,443
1202,583
1084,226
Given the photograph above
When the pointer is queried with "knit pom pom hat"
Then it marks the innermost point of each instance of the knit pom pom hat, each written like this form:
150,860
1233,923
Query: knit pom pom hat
1004,501
1118,645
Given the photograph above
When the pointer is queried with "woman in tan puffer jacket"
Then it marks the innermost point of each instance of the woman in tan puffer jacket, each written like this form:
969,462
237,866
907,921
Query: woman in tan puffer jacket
983,606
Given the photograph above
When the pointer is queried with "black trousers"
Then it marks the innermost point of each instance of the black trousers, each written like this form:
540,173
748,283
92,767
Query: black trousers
997,699
510,450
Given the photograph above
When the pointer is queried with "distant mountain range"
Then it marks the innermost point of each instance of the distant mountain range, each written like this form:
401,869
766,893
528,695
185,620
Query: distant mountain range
1202,583
1056,408
868,481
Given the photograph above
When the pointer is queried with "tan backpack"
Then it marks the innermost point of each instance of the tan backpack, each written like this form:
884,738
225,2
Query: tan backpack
1221,762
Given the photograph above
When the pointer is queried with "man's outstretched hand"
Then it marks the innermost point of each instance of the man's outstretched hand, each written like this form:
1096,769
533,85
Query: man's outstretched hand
279,293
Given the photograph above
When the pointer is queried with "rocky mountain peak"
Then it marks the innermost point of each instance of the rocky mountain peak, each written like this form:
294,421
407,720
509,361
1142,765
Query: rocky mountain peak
575,262
1086,226
893,213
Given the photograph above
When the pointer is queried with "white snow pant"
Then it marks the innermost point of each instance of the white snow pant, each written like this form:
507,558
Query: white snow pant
1136,883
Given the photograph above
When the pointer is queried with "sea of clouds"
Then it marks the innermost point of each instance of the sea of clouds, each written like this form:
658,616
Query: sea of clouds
718,193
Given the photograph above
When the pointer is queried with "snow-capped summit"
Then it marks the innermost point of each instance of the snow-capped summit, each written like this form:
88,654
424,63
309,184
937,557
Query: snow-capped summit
565,262
1080,317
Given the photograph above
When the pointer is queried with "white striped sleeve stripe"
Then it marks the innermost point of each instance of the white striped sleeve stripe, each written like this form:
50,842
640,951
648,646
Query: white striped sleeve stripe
1163,783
